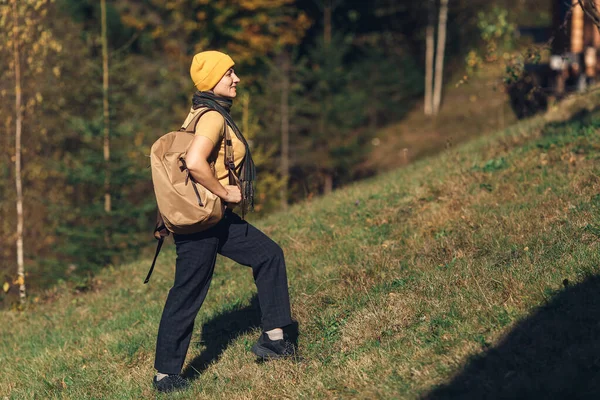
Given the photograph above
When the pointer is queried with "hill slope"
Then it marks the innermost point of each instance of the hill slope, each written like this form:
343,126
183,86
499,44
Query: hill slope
448,272
469,111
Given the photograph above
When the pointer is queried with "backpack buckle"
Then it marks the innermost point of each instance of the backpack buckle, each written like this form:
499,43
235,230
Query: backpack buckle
183,165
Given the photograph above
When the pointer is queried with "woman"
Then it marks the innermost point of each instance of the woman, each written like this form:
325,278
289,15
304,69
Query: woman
216,81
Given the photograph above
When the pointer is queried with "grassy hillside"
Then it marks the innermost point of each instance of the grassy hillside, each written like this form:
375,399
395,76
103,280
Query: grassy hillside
469,110
467,273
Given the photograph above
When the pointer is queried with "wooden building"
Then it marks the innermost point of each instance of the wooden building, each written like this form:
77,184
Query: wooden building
574,63
576,38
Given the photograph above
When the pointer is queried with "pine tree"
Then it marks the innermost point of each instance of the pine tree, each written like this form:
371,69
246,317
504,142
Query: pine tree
329,113
106,123
285,66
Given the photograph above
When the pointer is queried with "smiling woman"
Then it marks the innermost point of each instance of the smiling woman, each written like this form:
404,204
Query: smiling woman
210,165
227,85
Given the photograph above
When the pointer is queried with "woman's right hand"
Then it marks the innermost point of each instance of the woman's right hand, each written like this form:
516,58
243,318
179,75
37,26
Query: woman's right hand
233,196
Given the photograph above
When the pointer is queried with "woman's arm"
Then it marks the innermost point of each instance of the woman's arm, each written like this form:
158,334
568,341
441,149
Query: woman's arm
197,163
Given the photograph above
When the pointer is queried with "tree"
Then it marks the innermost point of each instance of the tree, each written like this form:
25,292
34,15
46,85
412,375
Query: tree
65,173
106,123
285,67
269,182
285,126
18,127
258,34
247,30
327,7
329,113
24,54
439,58
429,54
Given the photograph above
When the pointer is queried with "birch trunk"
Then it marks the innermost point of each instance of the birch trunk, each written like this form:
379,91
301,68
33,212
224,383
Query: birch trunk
285,128
429,54
18,181
439,57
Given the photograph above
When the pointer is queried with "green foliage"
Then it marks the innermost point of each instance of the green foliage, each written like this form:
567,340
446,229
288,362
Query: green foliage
83,225
498,36
340,94
492,165
269,182
496,30
331,111
247,30
390,82
495,165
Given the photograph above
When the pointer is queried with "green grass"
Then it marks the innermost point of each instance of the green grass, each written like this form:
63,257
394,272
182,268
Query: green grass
404,286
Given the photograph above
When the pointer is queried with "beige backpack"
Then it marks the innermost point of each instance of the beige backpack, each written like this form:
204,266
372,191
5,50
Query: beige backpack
184,206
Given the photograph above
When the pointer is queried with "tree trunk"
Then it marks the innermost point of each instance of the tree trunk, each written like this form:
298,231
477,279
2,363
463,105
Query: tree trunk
328,184
285,127
328,9
439,58
107,199
245,100
18,182
429,53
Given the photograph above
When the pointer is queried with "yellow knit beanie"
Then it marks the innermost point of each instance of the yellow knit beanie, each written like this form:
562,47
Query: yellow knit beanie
208,67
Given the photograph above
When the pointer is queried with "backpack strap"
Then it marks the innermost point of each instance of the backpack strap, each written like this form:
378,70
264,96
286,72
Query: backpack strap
160,233
191,126
229,158
160,229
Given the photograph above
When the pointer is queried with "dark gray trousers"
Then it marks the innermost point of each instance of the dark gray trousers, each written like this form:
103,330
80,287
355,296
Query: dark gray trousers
236,239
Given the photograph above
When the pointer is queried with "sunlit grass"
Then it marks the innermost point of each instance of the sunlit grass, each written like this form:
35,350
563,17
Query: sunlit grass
395,282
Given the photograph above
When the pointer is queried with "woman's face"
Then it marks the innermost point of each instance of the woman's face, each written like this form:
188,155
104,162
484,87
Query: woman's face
227,85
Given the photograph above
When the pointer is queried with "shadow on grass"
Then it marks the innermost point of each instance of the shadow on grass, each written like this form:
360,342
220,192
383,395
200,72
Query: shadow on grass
223,329
552,354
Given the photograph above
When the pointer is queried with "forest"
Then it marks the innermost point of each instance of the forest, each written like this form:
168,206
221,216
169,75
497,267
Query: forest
87,86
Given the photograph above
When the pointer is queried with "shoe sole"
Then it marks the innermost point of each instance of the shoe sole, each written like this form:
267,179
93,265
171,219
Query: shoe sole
169,389
265,353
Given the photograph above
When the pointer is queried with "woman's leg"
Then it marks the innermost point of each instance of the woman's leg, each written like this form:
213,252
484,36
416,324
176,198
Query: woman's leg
196,255
248,246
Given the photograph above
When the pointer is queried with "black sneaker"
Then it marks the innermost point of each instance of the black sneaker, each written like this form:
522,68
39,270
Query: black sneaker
268,349
170,383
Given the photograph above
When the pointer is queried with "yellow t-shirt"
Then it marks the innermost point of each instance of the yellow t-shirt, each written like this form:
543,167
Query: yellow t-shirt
210,125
